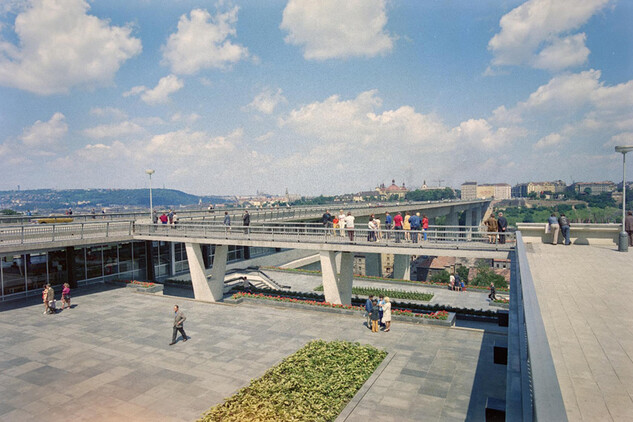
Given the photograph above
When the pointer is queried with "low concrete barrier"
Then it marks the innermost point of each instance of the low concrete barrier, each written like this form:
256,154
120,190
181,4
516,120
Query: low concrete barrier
579,234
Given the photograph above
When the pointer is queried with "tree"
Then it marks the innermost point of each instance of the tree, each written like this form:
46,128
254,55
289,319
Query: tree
440,277
8,211
462,271
486,275
532,195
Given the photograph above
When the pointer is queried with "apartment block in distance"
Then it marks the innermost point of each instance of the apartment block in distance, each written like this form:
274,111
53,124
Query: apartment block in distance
470,190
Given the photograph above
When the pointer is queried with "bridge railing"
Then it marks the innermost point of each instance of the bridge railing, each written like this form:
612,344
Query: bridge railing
532,388
316,234
48,233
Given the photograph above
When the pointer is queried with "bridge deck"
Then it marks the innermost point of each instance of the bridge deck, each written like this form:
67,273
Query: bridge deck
586,300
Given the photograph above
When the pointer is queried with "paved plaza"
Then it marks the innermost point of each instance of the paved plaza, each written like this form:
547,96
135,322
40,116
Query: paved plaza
586,300
108,359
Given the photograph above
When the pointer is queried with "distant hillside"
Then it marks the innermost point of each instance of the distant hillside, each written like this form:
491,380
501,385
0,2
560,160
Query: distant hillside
48,199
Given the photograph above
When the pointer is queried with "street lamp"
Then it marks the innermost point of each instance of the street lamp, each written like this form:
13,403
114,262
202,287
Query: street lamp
151,206
623,240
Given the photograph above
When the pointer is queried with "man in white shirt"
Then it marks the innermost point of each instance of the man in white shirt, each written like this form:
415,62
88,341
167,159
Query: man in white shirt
349,225
341,222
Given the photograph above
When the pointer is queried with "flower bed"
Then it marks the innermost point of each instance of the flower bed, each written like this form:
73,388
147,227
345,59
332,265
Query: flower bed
388,280
397,294
313,384
140,286
397,314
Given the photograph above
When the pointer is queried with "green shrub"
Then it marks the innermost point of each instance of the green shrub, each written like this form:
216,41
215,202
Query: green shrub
440,277
485,276
397,294
313,384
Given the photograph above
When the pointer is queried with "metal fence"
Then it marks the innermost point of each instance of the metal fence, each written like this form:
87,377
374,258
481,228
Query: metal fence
309,233
47,233
532,391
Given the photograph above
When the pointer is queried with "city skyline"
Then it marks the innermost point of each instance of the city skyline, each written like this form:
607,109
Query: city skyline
235,97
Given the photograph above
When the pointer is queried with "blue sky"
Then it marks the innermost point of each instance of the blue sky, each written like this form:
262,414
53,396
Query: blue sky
318,97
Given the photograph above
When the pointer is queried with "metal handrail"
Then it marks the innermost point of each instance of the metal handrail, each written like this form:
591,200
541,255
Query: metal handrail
540,395
312,234
44,233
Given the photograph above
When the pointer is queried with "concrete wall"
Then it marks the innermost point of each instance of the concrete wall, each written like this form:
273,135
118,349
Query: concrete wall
580,234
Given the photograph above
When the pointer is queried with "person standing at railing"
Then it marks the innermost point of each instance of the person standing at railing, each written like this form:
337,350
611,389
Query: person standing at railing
628,226
564,224
378,231
372,229
227,221
502,224
349,225
163,218
416,224
170,217
406,226
493,227
174,219
341,222
553,227
425,225
388,223
246,220
397,226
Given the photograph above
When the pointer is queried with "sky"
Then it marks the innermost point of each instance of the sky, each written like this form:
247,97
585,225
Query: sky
316,97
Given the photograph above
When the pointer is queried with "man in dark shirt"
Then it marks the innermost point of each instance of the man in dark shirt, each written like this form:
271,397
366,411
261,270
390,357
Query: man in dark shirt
564,224
502,225
179,319
326,219
246,221
368,309
628,226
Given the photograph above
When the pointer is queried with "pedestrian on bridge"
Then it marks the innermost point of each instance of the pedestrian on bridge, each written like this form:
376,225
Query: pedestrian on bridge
425,224
553,227
341,222
397,225
416,224
227,221
502,223
628,226
493,228
246,220
349,225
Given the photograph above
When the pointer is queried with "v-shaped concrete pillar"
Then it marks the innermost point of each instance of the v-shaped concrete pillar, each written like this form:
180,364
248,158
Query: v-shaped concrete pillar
337,285
402,267
212,289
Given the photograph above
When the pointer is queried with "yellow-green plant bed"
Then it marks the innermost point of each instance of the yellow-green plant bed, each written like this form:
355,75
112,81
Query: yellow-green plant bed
313,384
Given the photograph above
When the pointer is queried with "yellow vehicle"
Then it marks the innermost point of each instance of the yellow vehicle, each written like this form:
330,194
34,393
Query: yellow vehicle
53,220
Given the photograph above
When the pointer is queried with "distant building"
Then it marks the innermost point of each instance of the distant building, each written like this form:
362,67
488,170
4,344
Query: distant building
469,191
393,189
426,267
595,188
523,190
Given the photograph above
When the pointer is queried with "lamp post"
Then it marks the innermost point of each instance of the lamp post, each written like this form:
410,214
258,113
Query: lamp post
151,206
623,240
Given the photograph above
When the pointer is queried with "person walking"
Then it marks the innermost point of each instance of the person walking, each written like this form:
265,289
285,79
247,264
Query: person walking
564,224
44,295
349,225
368,307
50,299
492,295
628,226
179,319
553,227
425,224
502,224
246,220
386,314
66,296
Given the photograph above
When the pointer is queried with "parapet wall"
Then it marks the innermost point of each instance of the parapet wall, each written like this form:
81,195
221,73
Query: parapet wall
580,234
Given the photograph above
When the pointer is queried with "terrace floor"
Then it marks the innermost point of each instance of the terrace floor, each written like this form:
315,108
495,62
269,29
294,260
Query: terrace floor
108,359
586,299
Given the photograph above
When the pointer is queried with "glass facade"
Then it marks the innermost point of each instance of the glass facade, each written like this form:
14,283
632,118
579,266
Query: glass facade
28,273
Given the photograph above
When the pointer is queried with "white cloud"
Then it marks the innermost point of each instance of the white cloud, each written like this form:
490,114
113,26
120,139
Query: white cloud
625,138
113,130
160,93
563,53
187,118
266,101
202,42
108,111
550,140
43,134
193,144
328,29
536,33
61,46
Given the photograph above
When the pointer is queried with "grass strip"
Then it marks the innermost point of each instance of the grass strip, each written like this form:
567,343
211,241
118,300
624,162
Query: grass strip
313,384
398,294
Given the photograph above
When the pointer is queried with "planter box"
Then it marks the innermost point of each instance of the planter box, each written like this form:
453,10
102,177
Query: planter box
500,305
156,288
449,322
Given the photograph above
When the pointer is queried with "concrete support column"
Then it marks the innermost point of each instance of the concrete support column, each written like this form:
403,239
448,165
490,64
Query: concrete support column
478,216
172,255
201,290
337,286
373,264
70,267
150,274
218,271
402,267
469,223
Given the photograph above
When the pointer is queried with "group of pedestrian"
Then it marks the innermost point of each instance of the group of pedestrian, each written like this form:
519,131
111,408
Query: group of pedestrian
555,225
455,283
170,217
408,227
378,313
48,297
496,226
